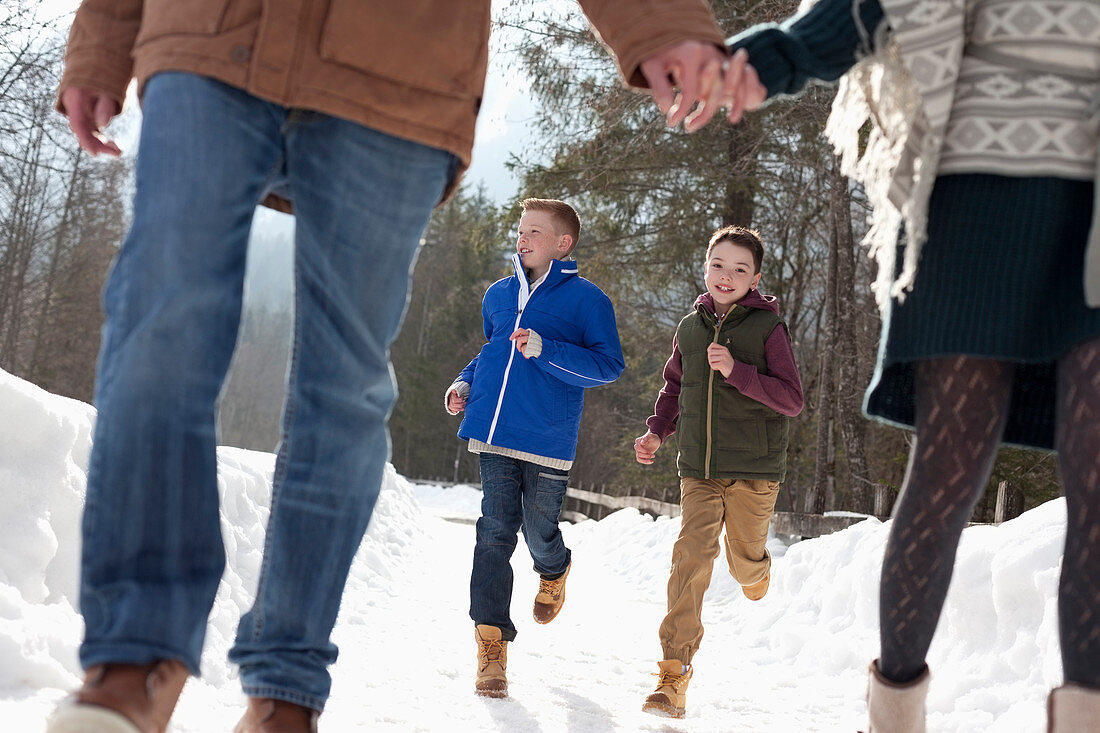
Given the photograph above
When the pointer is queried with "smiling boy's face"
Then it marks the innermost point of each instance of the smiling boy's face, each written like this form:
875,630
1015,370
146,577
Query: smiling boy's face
538,243
730,274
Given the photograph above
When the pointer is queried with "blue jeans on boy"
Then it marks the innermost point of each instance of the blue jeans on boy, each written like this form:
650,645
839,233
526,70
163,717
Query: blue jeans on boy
153,552
515,493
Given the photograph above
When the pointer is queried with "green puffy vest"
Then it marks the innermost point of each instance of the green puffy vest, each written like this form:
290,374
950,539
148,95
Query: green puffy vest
722,433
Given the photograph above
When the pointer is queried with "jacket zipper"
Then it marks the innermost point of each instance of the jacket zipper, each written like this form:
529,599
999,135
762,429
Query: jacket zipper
522,298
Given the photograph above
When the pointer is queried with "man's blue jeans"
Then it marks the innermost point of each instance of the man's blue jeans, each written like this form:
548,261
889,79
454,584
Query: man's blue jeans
515,493
152,552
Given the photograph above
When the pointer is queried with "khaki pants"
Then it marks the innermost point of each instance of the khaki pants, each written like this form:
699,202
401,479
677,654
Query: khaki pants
745,509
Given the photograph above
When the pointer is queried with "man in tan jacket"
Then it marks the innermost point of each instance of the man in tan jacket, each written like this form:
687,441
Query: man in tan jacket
358,116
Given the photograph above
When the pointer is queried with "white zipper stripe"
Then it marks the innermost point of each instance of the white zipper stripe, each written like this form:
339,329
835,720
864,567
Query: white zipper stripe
582,376
503,385
522,297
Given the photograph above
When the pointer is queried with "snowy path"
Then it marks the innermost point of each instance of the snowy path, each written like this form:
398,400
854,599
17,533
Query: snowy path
589,670
794,662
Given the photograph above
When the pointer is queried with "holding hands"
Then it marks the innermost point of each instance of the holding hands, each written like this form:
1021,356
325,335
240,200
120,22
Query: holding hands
707,81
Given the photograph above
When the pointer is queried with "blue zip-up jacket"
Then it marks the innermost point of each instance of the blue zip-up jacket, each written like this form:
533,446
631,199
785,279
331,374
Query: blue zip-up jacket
534,405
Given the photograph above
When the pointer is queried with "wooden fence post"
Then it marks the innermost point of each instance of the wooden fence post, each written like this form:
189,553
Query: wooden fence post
1010,503
1002,503
884,500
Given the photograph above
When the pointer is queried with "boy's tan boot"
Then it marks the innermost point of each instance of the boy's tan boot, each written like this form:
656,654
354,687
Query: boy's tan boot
266,715
122,698
893,707
492,662
550,598
670,697
756,591
1072,709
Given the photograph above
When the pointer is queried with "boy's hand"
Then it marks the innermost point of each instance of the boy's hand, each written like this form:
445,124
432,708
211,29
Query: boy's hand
521,336
720,359
456,403
645,447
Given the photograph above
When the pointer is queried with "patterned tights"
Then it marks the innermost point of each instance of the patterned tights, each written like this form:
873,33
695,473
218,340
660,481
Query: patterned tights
961,407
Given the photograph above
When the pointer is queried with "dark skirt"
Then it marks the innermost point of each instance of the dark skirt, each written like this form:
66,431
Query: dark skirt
1000,277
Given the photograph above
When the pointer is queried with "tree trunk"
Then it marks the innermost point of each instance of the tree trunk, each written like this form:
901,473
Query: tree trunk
826,412
60,243
846,349
740,196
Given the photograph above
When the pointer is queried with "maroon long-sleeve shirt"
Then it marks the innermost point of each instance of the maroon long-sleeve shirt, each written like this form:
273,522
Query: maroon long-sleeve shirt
780,388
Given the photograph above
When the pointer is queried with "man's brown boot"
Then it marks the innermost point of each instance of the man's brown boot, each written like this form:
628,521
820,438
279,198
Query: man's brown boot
122,698
265,715
492,662
550,598
670,697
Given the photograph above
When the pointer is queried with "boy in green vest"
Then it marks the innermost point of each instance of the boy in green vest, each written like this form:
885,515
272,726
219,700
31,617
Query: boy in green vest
731,387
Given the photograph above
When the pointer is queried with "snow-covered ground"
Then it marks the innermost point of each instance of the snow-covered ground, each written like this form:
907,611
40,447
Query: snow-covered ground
795,661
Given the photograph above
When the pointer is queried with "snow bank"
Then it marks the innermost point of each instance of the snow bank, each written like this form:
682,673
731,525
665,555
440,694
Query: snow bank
793,661
45,441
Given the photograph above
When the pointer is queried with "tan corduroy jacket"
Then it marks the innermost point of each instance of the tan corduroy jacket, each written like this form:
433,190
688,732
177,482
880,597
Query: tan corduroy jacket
411,68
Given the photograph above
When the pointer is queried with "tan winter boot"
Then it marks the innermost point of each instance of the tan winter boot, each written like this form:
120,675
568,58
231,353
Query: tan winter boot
1073,709
492,662
670,697
893,707
122,698
756,591
550,598
266,715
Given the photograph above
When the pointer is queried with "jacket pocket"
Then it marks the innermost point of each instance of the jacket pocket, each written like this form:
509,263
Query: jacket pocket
171,17
438,45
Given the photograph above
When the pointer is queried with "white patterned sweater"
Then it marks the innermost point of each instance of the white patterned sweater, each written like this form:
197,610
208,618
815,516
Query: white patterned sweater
1027,92
1009,87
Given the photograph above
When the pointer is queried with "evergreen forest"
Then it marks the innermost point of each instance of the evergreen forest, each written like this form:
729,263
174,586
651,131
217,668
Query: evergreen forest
649,198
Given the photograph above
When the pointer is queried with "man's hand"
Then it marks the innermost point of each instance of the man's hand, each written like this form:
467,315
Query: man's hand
520,337
695,68
456,403
89,112
720,359
645,447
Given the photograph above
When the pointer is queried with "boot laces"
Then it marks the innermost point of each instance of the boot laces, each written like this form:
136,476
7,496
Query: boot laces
669,679
551,587
492,649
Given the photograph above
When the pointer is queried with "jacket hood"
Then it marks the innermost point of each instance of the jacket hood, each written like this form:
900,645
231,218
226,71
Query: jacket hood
754,299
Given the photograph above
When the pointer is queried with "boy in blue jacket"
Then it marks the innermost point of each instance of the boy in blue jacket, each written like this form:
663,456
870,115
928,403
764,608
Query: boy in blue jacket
551,334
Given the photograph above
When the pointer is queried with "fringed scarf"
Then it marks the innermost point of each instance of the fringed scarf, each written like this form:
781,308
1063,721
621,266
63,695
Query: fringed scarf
905,90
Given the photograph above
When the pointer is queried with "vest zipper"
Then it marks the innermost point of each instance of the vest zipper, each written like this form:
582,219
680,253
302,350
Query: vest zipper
710,402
